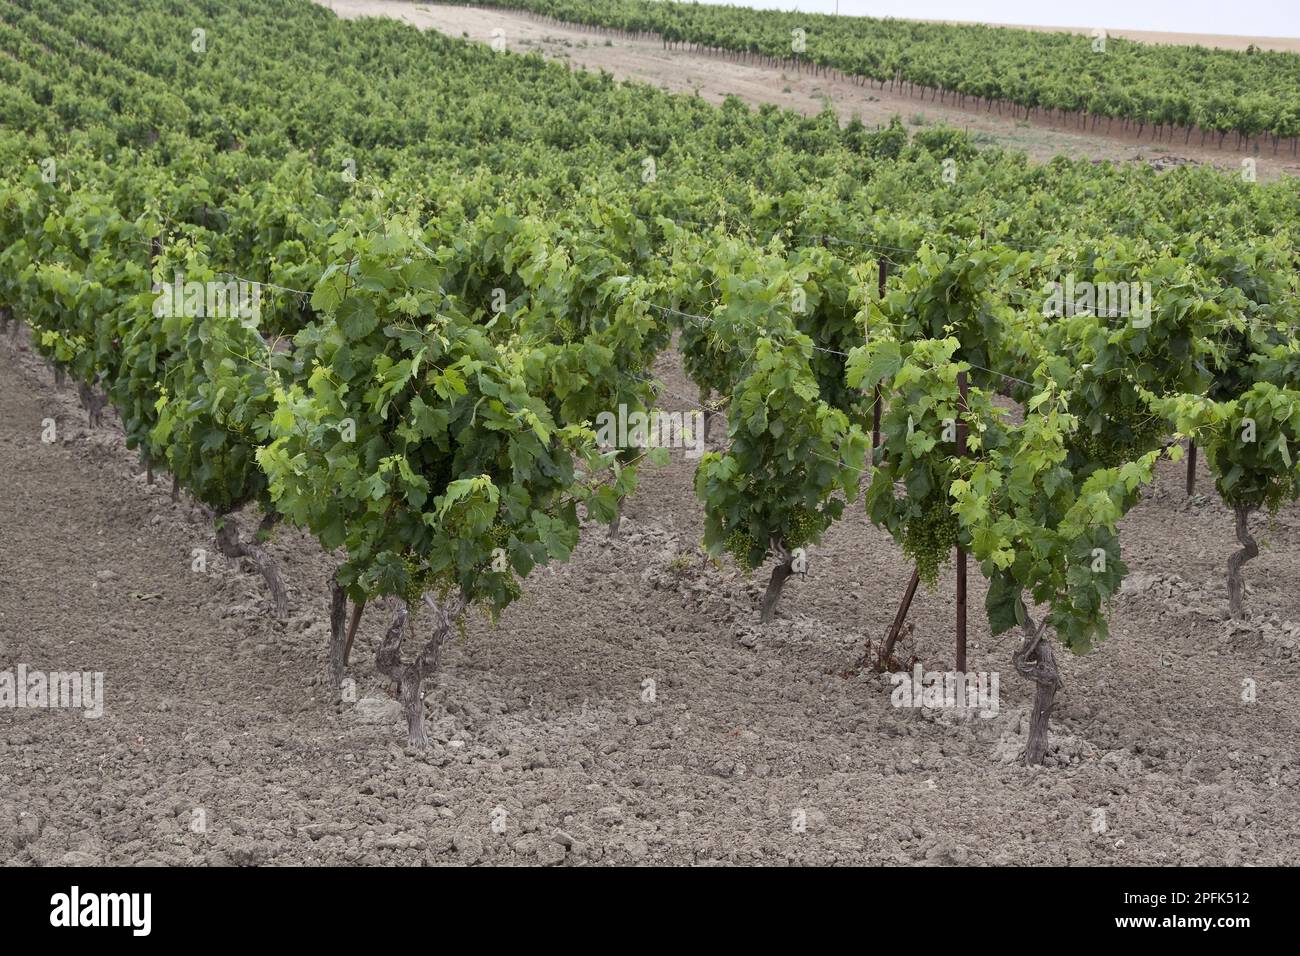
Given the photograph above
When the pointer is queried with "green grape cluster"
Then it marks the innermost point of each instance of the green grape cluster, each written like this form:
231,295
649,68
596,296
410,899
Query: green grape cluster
565,330
929,539
514,590
419,579
740,545
1108,449
803,527
1278,493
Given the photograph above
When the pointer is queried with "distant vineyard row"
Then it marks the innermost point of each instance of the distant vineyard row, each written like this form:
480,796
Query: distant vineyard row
1163,87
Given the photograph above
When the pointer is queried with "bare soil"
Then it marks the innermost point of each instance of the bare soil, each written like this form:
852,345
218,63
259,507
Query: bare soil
215,712
715,77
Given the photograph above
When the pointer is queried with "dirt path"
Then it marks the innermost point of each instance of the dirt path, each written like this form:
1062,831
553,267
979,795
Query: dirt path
715,77
754,747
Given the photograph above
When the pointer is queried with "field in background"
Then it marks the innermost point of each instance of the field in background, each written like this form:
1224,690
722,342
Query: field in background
714,78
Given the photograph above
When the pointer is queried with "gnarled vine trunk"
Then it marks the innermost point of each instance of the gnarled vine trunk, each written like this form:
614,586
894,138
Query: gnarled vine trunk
784,568
1034,659
357,610
9,322
1249,550
233,547
341,638
338,616
410,675
93,401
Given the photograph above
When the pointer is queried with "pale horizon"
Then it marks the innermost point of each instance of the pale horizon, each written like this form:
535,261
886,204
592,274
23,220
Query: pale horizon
1267,18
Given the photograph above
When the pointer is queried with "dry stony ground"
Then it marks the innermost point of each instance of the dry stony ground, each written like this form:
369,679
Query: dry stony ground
713,78
212,706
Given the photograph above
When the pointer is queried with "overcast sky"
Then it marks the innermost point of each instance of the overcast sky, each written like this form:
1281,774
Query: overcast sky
1273,18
